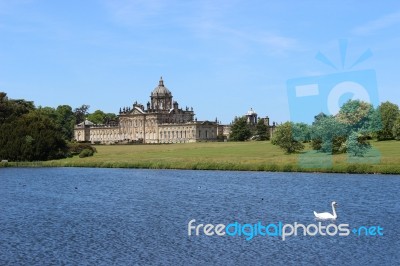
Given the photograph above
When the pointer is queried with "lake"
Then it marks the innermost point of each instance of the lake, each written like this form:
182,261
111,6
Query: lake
85,216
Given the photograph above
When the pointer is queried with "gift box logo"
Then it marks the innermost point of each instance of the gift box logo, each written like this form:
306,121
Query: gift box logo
312,95
309,96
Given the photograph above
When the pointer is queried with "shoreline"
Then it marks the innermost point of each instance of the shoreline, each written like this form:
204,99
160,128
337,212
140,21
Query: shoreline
288,168
229,156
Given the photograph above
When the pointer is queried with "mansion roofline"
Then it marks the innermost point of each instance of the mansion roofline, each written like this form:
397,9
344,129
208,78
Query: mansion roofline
161,122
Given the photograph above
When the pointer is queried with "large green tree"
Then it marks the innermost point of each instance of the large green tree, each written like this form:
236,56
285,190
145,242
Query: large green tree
348,131
12,109
100,117
261,131
240,130
110,117
357,144
66,121
81,113
328,135
32,136
288,137
303,132
388,112
63,117
359,116
396,128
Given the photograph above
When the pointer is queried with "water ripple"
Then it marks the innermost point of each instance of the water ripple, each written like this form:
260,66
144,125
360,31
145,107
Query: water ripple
125,217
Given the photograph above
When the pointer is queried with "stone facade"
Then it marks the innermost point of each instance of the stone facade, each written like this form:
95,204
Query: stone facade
162,121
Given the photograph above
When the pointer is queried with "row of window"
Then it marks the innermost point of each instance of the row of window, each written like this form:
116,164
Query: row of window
185,134
152,122
163,135
176,134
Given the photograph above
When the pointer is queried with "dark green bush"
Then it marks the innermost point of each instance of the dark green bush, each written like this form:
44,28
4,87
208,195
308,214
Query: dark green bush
86,153
76,148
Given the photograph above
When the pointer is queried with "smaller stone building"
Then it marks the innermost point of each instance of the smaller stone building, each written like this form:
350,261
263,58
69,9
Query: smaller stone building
252,119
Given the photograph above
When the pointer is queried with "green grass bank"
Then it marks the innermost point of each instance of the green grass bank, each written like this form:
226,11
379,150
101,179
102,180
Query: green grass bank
237,156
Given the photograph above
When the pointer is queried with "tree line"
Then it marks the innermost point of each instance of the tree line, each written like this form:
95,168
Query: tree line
30,133
347,132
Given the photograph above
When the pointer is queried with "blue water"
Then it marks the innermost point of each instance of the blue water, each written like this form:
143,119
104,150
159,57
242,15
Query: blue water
125,217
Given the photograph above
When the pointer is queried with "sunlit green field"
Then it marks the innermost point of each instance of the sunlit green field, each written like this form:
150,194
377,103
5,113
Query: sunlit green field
253,156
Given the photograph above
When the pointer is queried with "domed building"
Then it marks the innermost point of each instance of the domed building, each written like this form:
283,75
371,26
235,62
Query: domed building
161,97
251,117
161,121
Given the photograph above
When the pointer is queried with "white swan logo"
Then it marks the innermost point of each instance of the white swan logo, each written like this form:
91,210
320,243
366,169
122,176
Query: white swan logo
327,215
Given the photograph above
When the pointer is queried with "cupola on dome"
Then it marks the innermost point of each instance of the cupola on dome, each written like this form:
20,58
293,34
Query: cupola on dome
251,112
161,90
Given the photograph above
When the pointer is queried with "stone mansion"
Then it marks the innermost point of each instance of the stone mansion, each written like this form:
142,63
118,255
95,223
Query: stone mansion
160,121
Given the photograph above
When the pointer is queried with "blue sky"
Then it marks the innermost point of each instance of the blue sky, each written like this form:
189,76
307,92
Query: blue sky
221,57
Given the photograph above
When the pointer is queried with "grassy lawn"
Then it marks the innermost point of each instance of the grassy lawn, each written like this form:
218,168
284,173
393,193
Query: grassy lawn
254,156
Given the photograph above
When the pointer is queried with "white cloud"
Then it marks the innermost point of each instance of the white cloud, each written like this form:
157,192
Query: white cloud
378,24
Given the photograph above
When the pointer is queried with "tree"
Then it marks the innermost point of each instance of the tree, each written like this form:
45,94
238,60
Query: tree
240,130
110,117
98,117
31,137
80,113
303,132
357,144
63,117
356,119
261,132
48,111
396,128
358,115
66,121
285,136
329,135
12,109
28,134
389,113
319,117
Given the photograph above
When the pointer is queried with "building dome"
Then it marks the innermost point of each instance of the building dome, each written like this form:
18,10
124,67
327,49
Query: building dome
251,112
161,90
251,117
